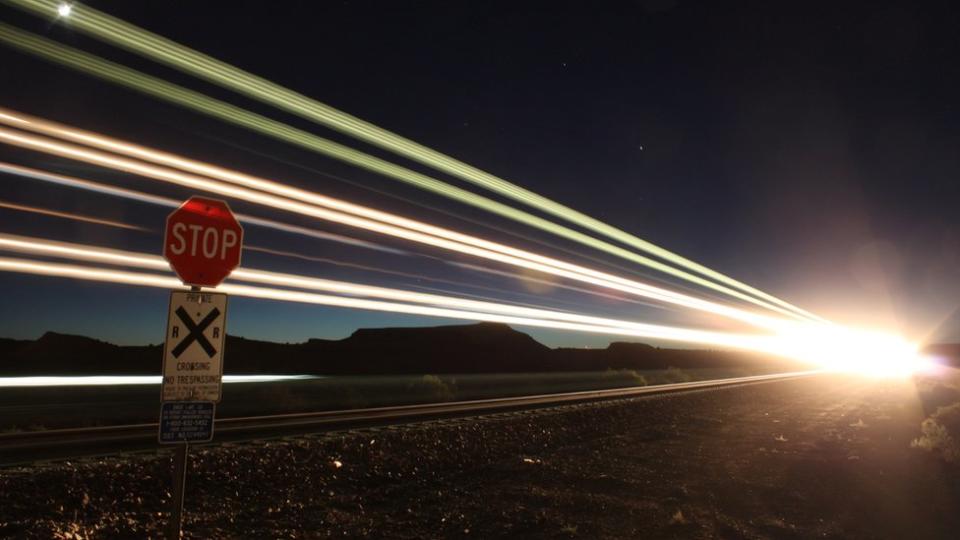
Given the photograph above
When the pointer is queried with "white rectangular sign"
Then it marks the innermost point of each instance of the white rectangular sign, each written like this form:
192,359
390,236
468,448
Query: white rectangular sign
186,422
193,348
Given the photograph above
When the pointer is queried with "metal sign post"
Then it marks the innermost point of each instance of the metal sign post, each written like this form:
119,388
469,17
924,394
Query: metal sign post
203,243
183,422
175,524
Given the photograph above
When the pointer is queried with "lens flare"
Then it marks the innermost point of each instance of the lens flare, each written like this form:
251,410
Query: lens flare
852,350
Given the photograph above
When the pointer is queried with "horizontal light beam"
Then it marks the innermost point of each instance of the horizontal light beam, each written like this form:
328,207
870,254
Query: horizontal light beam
131,380
42,268
80,252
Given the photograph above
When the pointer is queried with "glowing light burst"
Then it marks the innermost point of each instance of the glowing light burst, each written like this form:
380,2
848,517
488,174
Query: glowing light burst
203,104
64,10
851,350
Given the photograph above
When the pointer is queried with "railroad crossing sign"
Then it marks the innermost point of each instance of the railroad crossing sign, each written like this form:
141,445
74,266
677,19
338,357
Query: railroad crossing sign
202,241
193,348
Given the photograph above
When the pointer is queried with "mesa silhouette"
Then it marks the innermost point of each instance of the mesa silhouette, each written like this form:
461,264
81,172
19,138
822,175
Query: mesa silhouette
458,349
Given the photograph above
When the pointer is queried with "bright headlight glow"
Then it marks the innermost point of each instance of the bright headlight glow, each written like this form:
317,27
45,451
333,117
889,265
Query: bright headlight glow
852,350
64,9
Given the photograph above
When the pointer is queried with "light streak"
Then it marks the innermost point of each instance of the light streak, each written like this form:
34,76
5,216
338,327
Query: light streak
464,284
105,189
246,247
139,41
43,247
140,196
153,156
97,187
423,233
17,119
132,380
666,333
200,103
834,347
513,275
68,215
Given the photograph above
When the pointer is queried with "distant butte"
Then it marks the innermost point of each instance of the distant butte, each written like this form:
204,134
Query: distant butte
472,348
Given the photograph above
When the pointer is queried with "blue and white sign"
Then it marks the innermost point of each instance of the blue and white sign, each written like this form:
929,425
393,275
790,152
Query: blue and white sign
186,422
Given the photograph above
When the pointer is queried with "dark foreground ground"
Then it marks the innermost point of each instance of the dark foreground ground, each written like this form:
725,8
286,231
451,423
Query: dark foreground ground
824,457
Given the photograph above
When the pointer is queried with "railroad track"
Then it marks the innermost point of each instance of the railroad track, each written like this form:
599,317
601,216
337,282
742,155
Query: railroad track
33,446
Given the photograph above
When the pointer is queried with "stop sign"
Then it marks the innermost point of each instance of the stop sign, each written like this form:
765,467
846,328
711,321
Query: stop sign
203,241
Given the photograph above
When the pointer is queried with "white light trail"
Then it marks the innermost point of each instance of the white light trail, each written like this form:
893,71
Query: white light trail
205,105
71,216
97,187
140,196
450,240
132,380
834,347
103,275
105,189
149,45
43,247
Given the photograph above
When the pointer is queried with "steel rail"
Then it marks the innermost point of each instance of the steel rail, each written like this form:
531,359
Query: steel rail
27,447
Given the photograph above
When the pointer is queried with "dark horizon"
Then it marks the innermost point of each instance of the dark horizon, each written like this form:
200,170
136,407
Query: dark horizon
526,331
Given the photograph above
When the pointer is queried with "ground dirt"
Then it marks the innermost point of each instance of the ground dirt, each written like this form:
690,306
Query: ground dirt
823,457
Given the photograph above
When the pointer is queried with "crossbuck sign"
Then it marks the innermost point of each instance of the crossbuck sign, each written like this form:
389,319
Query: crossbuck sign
193,349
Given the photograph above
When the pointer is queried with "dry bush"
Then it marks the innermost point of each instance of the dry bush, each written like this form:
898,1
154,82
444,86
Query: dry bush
940,433
676,375
432,389
623,377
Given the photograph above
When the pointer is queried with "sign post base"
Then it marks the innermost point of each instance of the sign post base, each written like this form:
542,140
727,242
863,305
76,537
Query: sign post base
180,459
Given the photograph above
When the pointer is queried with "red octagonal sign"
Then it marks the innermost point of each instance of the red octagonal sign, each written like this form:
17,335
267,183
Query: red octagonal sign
203,241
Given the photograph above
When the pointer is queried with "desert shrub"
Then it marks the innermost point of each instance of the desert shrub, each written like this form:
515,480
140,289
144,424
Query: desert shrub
432,389
623,377
940,433
676,375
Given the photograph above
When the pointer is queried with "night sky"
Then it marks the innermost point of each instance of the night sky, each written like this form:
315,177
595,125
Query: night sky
810,150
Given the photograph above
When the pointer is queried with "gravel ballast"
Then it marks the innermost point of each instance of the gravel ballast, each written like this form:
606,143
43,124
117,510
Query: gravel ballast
825,457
